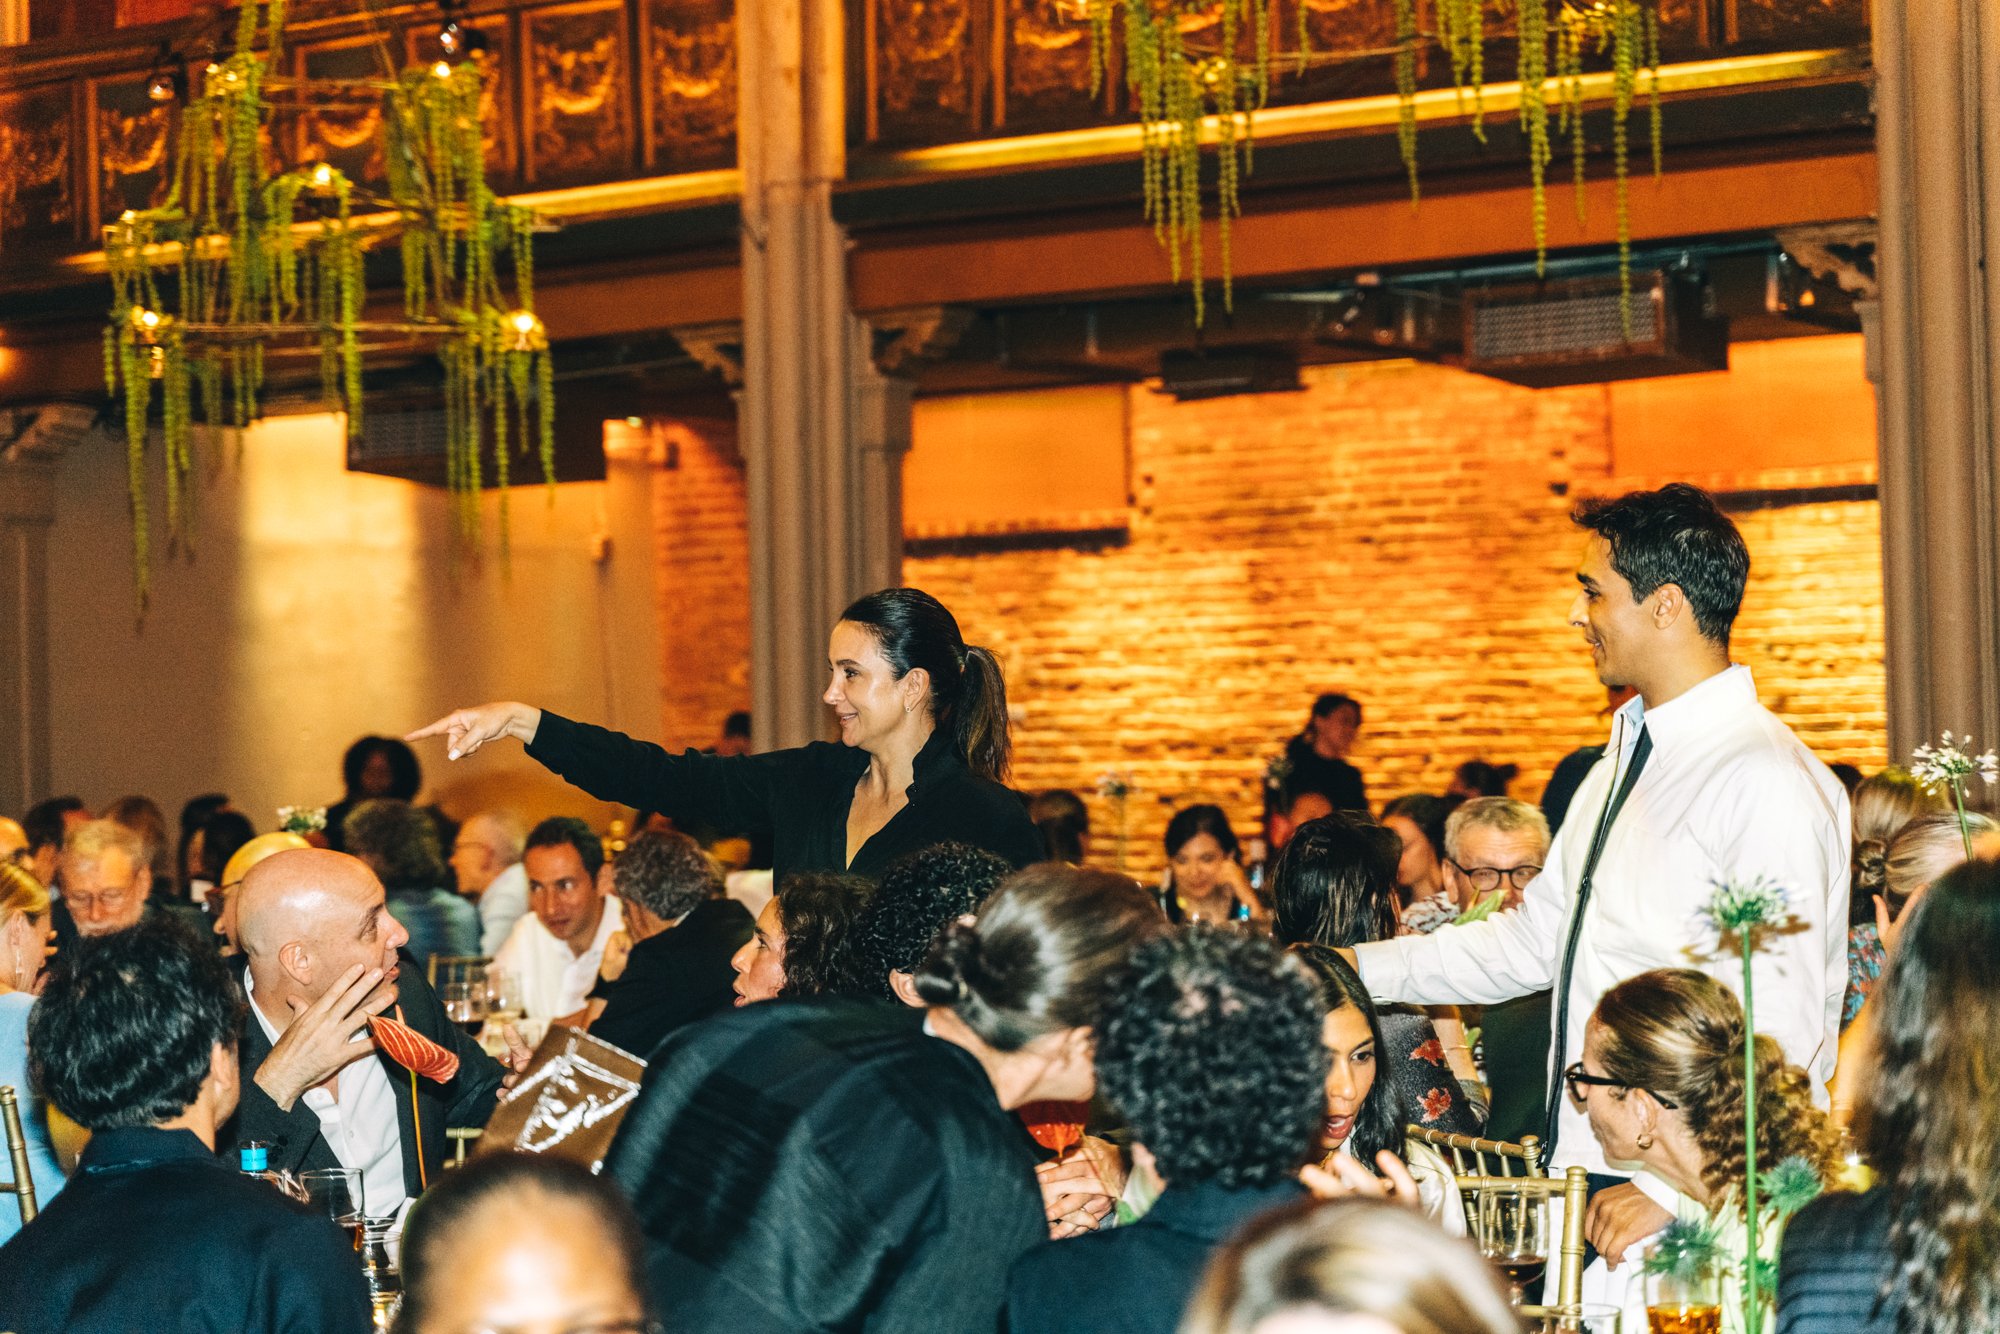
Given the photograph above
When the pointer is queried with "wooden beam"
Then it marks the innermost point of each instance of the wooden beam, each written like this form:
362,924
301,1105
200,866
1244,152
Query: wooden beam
1105,255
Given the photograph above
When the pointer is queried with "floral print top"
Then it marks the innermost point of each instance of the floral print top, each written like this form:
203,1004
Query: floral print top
1865,958
1430,1095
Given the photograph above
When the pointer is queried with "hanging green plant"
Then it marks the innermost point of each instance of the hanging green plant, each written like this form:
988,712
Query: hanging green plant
1184,63
241,259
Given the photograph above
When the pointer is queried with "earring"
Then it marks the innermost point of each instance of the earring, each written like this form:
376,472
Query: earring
1644,1142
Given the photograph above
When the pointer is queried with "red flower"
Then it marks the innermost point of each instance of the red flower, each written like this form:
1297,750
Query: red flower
1432,1051
1435,1104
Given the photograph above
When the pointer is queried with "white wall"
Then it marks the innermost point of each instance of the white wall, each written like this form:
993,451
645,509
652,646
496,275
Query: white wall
319,605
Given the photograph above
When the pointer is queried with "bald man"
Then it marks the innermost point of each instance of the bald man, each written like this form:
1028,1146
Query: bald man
320,954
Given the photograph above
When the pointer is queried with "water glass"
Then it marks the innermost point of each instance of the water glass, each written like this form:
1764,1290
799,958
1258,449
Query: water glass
385,1282
1688,1302
336,1192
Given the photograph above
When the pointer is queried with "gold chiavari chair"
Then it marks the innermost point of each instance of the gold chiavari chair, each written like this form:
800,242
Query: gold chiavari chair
1479,1165
23,1184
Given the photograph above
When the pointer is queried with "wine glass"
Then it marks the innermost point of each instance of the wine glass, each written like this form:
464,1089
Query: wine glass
385,1283
1514,1234
336,1192
465,1003
1056,1125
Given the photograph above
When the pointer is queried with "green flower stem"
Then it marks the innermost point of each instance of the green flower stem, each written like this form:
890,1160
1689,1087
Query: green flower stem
1750,1307
1958,800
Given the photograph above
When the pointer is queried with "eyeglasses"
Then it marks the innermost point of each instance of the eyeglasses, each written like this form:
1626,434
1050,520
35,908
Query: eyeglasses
1486,879
1575,1076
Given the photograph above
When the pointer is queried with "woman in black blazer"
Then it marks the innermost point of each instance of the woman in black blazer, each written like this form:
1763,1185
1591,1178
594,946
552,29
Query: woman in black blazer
923,747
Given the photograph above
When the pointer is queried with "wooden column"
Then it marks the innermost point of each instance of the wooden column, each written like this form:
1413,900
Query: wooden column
822,429
1937,68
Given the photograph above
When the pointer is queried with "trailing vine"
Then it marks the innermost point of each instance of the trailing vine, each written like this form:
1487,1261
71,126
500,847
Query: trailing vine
275,260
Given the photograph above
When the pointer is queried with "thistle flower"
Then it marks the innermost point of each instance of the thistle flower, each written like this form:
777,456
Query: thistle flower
1945,766
1790,1186
301,819
1277,771
1115,783
1685,1247
1744,905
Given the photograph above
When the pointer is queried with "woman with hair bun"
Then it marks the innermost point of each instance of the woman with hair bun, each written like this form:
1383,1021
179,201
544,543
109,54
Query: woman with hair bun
829,1164
1884,805
922,752
1662,1081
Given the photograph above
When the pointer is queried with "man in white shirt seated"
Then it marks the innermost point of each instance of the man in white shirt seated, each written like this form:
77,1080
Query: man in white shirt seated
486,858
554,952
1699,784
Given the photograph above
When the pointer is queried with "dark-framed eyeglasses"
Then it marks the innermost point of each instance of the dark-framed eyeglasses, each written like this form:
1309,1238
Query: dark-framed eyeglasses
1575,1078
1486,879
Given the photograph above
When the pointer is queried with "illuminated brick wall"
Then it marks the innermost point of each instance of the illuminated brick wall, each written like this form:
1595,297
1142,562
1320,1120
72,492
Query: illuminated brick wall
703,541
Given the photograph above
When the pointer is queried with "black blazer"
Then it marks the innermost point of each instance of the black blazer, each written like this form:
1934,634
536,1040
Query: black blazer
154,1236
294,1136
675,977
1135,1279
799,797
1831,1267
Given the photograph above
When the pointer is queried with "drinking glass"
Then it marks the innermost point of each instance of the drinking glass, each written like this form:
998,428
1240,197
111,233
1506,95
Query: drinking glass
385,1282
465,1004
1688,1302
1514,1234
1056,1125
336,1192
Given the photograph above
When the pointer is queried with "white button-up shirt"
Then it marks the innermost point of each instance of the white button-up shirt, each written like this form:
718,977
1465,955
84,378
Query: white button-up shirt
359,1123
554,981
1727,794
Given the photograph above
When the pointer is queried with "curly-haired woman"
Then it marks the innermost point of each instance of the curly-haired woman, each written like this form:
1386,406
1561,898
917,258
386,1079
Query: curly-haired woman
1920,1253
1662,1081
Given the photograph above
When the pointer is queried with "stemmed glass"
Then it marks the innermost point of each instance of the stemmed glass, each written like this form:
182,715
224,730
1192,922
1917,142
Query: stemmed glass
1056,1125
1514,1234
465,1002
336,1192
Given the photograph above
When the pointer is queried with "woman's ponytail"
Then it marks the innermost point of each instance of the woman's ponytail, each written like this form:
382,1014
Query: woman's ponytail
980,714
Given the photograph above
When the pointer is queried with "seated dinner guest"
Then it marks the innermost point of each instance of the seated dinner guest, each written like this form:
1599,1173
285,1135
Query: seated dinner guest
486,860
1915,1254
1205,877
834,1164
320,957
555,951
135,1039
1349,1267
683,936
24,944
523,1242
802,944
922,753
1210,1049
920,894
400,845
1661,1080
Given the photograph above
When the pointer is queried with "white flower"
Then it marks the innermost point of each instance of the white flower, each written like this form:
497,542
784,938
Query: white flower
301,819
1115,783
1945,766
1742,905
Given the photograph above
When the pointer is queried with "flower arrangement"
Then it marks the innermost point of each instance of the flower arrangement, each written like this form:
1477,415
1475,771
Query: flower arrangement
1946,767
1117,784
301,820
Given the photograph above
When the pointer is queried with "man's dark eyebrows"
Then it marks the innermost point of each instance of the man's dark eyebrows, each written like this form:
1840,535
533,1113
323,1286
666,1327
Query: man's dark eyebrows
1586,581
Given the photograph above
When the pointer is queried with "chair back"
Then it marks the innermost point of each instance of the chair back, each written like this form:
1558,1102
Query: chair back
442,968
1480,1165
1470,1156
23,1184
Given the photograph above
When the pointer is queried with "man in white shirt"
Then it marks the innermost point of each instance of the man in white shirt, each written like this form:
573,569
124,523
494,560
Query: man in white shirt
554,952
1699,784
486,858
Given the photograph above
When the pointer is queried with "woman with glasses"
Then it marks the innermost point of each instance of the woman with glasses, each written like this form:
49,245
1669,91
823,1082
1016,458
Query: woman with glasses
1662,1081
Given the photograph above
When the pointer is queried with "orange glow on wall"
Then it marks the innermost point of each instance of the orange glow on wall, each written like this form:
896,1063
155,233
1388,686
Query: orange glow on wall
1039,460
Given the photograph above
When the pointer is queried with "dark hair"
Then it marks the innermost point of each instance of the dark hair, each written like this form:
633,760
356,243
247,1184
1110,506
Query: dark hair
559,831
1483,778
221,835
1325,705
1043,955
1427,813
44,823
440,1218
1382,1121
1063,819
143,816
1934,1106
666,874
1210,1048
195,813
399,841
817,911
1334,883
920,892
405,775
124,1031
1193,821
1675,535
737,723
968,693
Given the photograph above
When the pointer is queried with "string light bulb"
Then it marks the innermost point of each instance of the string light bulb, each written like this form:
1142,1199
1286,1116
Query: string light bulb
525,331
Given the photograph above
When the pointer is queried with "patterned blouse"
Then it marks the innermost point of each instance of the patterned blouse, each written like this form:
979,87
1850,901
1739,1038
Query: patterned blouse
1865,958
1415,1060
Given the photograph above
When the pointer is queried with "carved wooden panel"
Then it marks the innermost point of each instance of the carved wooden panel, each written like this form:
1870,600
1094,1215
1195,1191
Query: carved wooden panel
133,137
37,176
346,131
578,94
1048,70
691,94
925,81
1791,24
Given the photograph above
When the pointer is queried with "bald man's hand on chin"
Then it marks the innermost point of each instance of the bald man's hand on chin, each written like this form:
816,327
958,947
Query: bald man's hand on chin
326,1036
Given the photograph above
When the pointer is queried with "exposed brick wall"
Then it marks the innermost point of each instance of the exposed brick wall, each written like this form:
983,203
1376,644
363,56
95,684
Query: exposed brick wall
1398,531
704,580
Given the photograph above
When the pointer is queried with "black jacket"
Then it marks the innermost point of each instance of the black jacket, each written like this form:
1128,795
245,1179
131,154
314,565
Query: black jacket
294,1136
154,1236
1336,780
1135,1279
800,797
675,977
1831,1267
822,1165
